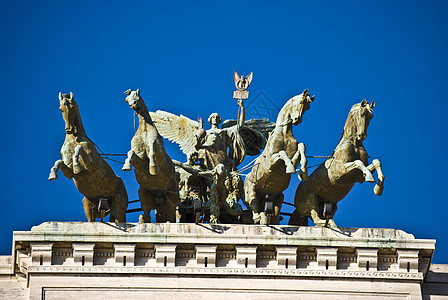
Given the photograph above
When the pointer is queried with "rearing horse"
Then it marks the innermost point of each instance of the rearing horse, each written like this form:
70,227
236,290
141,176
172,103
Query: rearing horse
334,178
272,170
154,169
93,177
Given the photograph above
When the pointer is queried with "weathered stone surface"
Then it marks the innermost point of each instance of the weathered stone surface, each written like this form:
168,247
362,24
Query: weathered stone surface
154,169
272,170
93,177
167,260
334,178
435,286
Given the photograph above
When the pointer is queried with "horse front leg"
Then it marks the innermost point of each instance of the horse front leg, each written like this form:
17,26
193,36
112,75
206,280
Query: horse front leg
60,165
376,165
251,200
283,156
153,167
77,167
128,162
300,156
359,165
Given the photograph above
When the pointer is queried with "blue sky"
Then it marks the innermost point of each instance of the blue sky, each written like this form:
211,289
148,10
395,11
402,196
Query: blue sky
182,55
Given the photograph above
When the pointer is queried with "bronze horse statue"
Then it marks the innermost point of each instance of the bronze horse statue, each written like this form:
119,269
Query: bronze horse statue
81,161
334,178
272,170
154,169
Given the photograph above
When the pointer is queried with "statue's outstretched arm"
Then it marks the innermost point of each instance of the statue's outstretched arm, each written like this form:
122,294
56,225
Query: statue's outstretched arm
242,115
186,167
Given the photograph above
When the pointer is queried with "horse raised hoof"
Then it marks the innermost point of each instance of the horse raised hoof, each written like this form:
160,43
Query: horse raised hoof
77,168
256,217
142,219
263,219
290,169
303,175
378,189
369,178
214,220
331,224
127,166
319,223
153,170
53,176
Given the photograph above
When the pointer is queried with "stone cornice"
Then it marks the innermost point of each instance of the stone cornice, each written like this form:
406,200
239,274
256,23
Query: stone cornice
226,272
222,234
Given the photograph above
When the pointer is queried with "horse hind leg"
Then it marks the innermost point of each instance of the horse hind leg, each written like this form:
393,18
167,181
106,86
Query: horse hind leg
298,219
90,210
166,212
119,204
308,205
278,200
251,200
147,203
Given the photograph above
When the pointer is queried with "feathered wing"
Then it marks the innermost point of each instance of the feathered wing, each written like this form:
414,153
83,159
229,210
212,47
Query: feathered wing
254,133
249,78
178,129
236,78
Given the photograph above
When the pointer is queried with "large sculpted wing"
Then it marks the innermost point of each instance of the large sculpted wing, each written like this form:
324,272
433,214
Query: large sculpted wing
254,133
178,129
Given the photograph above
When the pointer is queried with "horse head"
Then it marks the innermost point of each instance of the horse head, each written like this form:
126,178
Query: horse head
358,120
294,109
70,113
135,101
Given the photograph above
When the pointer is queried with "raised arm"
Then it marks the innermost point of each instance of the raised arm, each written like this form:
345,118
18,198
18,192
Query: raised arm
242,114
186,167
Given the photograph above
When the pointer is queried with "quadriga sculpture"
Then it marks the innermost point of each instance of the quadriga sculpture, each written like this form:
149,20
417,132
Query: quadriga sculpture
154,169
93,177
272,170
334,178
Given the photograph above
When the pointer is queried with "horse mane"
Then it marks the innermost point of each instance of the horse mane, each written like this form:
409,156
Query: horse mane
350,126
286,109
146,114
79,127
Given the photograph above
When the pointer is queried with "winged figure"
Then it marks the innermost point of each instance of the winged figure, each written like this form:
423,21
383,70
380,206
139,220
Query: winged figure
241,82
227,146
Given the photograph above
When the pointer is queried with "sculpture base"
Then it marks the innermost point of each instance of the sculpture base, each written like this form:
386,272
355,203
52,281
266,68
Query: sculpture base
58,260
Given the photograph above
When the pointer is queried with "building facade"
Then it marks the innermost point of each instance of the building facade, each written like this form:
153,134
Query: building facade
57,260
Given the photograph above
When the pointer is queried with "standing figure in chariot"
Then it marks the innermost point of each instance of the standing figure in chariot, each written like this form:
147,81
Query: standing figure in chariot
212,148
227,146
224,147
